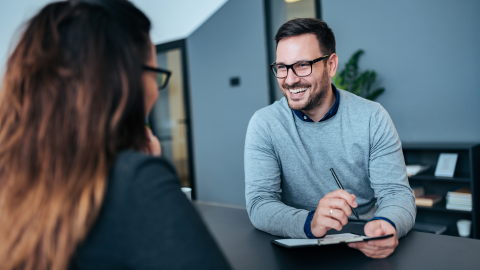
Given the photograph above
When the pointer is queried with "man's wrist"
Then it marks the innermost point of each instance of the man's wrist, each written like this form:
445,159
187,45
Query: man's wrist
384,219
307,228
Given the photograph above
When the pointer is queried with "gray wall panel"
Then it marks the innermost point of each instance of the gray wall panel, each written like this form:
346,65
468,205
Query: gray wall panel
426,54
230,44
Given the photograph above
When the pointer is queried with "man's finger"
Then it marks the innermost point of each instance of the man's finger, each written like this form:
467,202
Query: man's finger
340,216
334,224
378,232
389,242
366,246
342,194
377,255
381,243
336,214
336,203
373,229
330,222
363,245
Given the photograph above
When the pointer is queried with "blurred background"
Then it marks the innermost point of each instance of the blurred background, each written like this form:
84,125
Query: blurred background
425,53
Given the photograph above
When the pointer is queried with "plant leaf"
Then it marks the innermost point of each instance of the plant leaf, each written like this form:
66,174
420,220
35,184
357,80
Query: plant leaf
359,84
376,93
365,81
349,73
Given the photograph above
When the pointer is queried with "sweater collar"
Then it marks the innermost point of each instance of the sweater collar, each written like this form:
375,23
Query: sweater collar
328,115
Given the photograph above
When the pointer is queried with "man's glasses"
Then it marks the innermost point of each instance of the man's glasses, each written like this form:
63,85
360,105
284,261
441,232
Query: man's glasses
301,69
163,75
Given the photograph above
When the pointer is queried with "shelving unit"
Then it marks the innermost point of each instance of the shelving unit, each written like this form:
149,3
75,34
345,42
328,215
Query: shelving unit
467,174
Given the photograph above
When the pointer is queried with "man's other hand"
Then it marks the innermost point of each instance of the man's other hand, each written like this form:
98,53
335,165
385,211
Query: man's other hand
378,249
332,212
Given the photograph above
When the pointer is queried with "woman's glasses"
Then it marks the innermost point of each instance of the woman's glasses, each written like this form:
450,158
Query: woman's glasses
163,75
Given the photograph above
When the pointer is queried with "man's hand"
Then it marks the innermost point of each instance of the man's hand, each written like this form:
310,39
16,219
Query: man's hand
153,146
332,212
378,249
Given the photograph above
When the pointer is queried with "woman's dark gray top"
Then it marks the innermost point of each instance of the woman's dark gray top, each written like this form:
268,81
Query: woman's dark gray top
146,222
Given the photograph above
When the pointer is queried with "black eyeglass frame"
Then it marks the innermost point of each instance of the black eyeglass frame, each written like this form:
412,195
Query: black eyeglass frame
159,70
291,66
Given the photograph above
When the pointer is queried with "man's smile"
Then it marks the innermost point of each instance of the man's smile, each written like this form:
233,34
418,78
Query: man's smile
297,92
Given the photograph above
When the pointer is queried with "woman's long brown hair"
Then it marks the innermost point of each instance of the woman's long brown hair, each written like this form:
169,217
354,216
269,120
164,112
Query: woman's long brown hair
71,99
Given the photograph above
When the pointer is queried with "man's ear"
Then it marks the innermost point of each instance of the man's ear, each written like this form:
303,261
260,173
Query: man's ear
332,65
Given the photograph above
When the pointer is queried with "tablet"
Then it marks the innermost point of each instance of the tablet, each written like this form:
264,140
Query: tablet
327,240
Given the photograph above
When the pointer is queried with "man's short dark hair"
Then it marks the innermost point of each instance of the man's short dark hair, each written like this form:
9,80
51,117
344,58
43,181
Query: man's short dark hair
300,26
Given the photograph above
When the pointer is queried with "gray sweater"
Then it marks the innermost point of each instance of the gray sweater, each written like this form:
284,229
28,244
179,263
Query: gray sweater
287,164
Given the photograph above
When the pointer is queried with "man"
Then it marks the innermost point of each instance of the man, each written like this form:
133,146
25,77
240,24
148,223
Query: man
292,144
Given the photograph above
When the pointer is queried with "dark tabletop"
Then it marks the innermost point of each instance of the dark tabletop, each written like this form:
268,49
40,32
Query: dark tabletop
248,248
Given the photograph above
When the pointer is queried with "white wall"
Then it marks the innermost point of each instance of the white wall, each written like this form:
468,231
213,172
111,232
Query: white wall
177,19
12,15
171,19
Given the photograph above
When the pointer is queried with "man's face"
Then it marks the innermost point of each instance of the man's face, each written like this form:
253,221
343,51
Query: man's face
303,93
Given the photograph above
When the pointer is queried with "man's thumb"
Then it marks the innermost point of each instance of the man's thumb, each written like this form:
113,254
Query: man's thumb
378,232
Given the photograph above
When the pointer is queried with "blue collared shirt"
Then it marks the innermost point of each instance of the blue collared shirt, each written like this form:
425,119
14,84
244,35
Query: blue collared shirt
329,114
307,227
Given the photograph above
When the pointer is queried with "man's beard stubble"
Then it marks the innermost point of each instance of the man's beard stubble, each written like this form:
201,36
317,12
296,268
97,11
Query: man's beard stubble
315,100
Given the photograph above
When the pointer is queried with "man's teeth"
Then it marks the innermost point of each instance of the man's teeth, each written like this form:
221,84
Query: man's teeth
298,90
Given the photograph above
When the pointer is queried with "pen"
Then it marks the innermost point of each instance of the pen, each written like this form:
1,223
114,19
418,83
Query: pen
341,187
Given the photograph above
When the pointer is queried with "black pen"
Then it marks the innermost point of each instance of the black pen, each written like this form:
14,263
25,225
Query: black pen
341,187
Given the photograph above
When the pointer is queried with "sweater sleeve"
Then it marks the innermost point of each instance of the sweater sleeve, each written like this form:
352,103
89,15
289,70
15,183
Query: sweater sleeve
263,186
388,174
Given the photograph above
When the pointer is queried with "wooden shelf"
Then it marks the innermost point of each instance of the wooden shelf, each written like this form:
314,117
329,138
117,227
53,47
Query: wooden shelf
429,176
439,146
467,174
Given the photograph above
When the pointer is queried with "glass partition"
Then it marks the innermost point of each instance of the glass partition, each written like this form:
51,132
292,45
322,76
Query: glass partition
168,117
277,13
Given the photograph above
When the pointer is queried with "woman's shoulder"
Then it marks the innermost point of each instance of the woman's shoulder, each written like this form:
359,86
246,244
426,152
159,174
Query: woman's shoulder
130,163
146,222
136,177
139,187
138,169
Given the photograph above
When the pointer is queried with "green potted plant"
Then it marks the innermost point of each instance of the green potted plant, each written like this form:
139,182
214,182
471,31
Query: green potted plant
361,84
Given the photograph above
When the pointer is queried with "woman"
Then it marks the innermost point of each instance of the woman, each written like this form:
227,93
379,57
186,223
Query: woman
75,189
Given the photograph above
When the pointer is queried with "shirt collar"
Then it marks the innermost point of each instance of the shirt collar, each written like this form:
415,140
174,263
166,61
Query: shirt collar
328,115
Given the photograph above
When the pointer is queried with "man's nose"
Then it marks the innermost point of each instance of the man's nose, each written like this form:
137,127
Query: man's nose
291,78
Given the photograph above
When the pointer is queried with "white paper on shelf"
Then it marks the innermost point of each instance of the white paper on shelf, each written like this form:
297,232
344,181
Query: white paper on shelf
446,165
463,201
416,169
459,207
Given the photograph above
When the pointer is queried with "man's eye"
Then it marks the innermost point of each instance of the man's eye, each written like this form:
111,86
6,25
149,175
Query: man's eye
303,65
281,67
